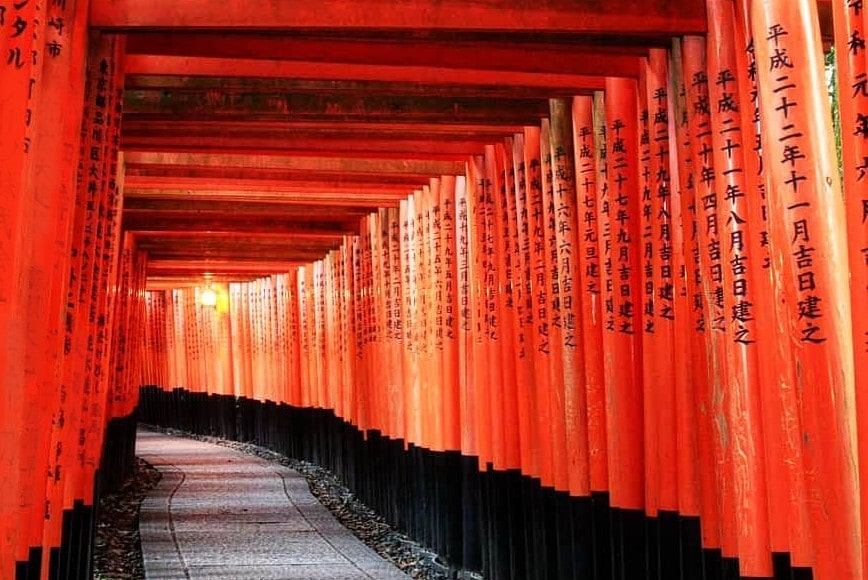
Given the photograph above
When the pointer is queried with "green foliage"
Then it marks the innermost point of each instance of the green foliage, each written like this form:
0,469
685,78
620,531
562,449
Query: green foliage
832,87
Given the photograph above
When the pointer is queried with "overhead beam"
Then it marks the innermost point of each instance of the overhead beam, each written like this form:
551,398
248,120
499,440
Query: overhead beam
307,164
405,149
567,59
266,173
386,140
222,67
258,252
294,248
218,266
569,16
249,207
168,269
172,221
277,175
336,87
159,268
144,238
162,106
360,201
260,185
175,282
285,129
206,174
261,255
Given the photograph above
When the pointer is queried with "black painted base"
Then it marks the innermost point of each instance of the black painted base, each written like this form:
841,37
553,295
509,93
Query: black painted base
72,560
501,523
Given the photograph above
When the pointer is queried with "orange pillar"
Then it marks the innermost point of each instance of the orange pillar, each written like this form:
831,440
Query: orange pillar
788,519
421,315
718,529
622,325
304,334
235,336
492,308
411,368
663,228
391,287
347,334
684,269
569,288
807,228
52,183
557,423
321,352
434,313
540,340
501,235
372,266
20,79
93,252
476,184
851,26
607,281
651,343
746,445
590,285
465,317
447,274
523,296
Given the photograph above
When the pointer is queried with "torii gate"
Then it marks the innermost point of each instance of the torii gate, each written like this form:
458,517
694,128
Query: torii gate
602,245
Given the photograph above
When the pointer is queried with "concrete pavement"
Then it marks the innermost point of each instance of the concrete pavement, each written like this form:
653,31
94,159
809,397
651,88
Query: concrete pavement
219,513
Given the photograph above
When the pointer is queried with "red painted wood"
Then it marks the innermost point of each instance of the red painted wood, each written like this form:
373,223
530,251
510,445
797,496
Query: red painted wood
707,343
505,296
789,529
567,59
522,274
590,285
539,295
570,296
448,315
689,354
476,200
852,73
614,17
807,212
622,323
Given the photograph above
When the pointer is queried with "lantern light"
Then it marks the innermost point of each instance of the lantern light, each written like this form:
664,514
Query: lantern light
208,297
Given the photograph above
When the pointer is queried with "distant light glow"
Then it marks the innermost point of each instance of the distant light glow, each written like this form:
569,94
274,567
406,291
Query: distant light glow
208,297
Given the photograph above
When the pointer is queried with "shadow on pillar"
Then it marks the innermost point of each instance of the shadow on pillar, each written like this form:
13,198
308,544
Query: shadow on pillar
72,560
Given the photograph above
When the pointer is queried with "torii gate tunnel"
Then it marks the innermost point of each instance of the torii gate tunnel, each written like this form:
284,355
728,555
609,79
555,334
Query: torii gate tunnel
563,288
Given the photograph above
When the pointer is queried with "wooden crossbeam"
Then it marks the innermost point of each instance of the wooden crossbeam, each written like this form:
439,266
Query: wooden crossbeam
221,67
134,220
362,201
248,84
316,165
161,106
616,17
564,59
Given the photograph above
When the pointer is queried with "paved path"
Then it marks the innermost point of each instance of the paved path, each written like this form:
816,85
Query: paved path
218,513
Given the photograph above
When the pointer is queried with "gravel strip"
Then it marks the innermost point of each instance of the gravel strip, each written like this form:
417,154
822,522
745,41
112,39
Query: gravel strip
405,553
117,545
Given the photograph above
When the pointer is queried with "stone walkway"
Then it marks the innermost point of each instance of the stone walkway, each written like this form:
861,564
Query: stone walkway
218,513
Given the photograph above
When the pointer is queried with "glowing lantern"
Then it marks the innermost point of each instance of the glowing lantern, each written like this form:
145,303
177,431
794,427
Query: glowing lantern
208,297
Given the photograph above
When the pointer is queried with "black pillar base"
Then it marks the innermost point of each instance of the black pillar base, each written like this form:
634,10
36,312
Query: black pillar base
500,523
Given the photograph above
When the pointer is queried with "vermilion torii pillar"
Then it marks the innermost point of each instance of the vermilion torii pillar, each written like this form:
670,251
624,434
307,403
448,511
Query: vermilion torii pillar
435,225
808,232
851,26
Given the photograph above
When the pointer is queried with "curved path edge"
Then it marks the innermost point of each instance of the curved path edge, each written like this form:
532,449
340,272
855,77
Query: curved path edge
219,513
